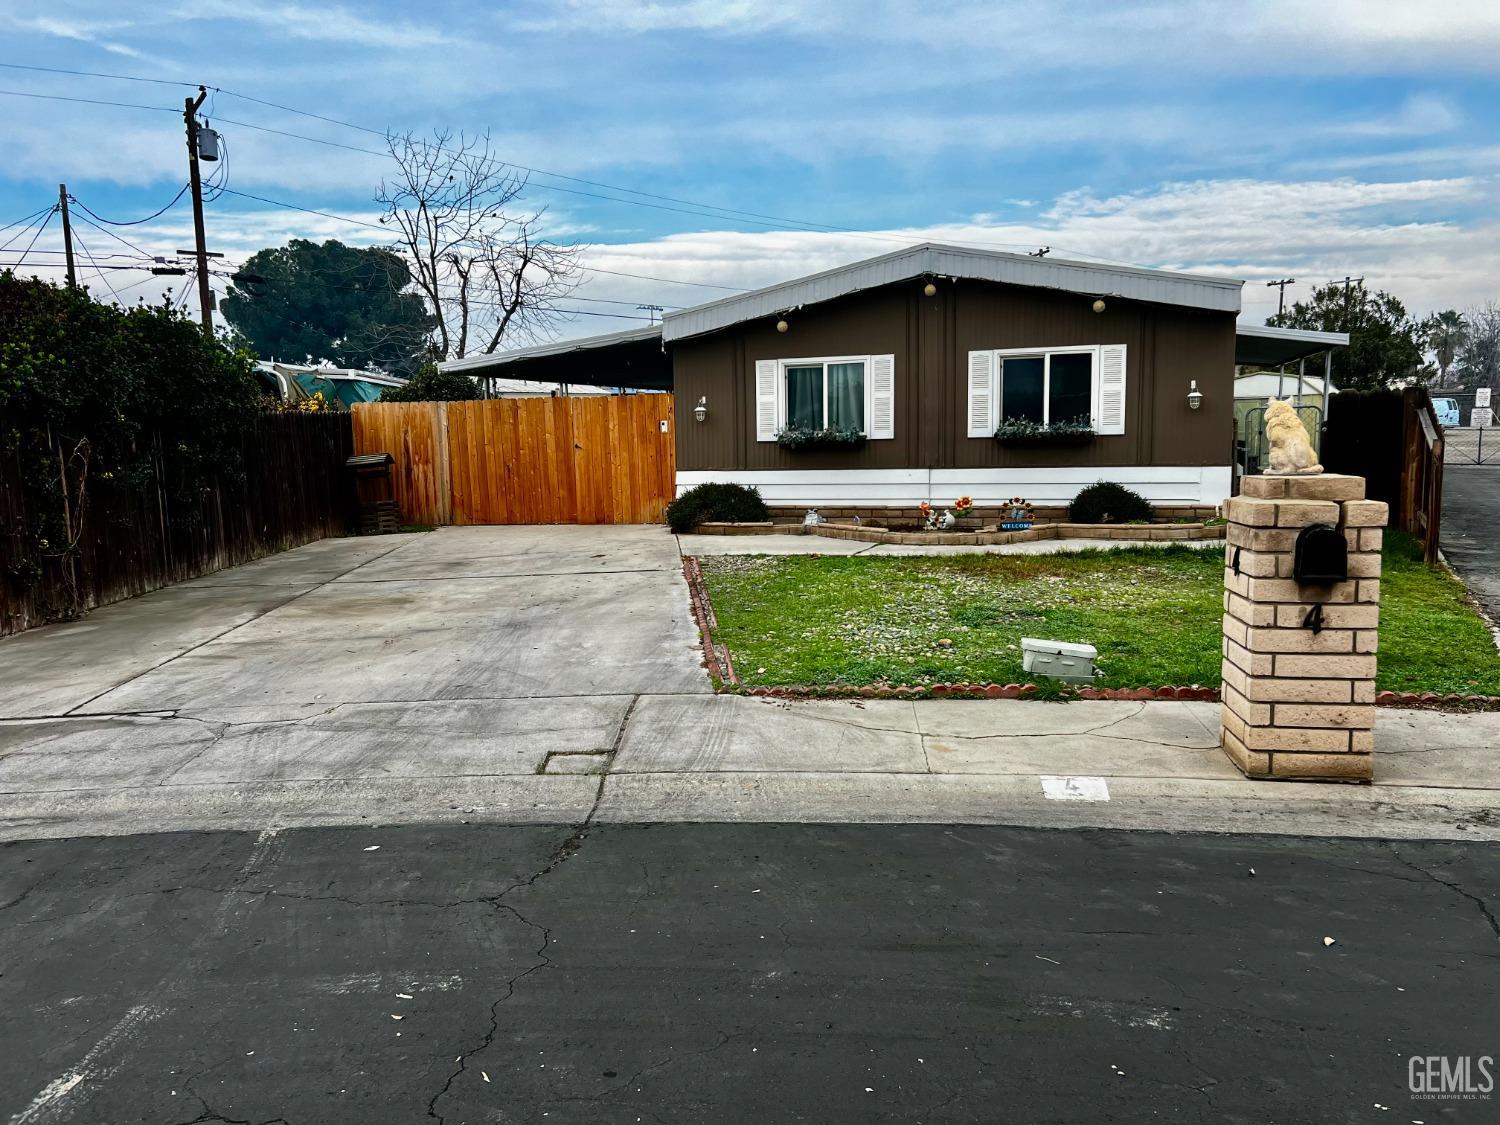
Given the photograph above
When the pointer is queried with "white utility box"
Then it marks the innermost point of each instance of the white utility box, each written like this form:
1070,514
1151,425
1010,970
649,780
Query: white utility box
1059,659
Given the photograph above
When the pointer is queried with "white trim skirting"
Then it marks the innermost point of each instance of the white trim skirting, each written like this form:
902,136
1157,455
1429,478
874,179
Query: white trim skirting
1163,485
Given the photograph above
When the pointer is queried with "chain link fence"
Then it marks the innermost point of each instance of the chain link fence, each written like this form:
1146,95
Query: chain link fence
1471,435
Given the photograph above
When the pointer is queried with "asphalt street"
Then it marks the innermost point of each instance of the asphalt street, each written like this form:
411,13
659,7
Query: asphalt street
1470,532
740,973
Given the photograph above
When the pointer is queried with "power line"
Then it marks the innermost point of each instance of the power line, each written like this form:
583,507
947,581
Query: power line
702,209
105,230
698,207
20,234
27,219
94,74
137,222
47,219
84,101
79,239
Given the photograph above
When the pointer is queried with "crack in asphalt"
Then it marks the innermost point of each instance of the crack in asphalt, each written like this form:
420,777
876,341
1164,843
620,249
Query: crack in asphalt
566,850
1484,908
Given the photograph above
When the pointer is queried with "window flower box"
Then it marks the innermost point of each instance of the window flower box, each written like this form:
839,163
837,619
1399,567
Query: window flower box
1025,432
797,438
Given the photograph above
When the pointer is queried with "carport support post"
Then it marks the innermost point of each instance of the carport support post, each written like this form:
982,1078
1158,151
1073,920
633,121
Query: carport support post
1300,703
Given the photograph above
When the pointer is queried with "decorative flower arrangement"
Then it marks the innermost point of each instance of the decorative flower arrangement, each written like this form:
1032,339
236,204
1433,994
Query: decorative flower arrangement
797,437
1072,431
963,506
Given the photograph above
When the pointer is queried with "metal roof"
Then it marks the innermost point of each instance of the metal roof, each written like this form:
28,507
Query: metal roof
560,347
1221,294
1261,345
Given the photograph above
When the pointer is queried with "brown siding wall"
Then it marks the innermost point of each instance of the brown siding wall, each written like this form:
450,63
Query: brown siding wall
931,338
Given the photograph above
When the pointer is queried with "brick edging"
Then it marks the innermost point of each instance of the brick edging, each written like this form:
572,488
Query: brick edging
715,656
1192,692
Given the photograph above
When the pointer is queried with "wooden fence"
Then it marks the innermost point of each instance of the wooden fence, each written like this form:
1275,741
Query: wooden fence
295,490
1393,440
599,459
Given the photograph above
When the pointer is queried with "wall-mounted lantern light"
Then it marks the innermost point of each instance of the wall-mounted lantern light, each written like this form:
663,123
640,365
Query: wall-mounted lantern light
1195,396
700,411
782,326
1099,305
930,289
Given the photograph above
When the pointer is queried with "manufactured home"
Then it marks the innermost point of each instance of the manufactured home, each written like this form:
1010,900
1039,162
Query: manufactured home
939,371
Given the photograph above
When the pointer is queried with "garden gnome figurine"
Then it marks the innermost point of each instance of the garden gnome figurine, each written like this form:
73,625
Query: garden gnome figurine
1291,450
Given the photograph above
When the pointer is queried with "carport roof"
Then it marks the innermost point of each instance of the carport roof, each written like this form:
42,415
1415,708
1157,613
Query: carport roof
1261,345
632,358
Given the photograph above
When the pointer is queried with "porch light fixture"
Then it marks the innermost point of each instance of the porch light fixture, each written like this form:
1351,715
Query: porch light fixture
1195,396
700,411
1099,304
782,326
930,289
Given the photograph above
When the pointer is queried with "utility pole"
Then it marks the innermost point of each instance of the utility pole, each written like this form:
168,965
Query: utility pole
1281,296
62,205
650,310
1348,281
205,294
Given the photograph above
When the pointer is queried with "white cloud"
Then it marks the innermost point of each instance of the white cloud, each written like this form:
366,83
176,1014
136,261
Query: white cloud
333,24
1255,230
1420,115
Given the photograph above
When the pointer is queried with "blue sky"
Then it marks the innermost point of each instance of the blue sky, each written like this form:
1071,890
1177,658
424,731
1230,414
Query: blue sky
1255,139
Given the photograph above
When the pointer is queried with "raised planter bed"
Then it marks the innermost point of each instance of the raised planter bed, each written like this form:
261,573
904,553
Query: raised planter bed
993,536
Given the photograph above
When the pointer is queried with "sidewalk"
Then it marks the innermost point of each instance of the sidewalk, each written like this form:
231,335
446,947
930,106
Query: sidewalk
655,758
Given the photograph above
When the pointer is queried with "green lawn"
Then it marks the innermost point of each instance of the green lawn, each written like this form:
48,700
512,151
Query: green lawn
1153,614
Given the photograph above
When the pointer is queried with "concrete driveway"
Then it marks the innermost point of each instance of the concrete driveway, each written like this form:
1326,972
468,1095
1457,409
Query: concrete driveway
551,675
399,659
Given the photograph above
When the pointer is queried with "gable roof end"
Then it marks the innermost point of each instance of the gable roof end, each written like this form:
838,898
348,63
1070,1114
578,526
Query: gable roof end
1201,291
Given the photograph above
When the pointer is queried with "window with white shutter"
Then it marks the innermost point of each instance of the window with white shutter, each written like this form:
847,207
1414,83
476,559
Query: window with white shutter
844,393
1048,387
882,416
1109,379
767,399
981,394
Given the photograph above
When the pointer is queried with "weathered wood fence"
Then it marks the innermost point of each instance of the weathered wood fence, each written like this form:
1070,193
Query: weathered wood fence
1391,438
597,459
295,490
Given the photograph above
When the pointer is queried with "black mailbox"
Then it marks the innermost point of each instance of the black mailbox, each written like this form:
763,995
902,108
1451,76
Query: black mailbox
1322,556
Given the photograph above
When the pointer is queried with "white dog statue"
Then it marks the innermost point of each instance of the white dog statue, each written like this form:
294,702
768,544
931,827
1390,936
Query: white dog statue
1291,449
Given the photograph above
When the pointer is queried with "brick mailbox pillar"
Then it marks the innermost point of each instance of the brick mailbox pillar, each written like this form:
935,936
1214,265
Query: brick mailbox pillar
1299,686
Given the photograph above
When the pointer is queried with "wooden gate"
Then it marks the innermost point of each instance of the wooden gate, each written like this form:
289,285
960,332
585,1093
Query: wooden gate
599,459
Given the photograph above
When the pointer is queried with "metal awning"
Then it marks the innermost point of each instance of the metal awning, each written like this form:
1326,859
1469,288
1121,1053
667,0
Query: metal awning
632,358
1260,345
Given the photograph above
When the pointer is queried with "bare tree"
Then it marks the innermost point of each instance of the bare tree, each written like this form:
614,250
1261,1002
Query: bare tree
487,271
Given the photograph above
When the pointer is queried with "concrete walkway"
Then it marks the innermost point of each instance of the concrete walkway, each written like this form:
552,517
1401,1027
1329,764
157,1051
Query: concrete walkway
552,676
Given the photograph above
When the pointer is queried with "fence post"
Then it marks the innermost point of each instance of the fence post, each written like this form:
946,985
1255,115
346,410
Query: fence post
443,465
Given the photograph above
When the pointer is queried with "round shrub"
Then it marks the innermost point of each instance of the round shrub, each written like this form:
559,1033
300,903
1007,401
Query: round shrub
716,503
1107,502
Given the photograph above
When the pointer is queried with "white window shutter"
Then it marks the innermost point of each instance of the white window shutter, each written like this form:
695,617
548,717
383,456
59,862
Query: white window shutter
767,399
1109,417
981,394
882,422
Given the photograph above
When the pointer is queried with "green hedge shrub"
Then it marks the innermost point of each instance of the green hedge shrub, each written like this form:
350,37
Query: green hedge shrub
712,503
1107,502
